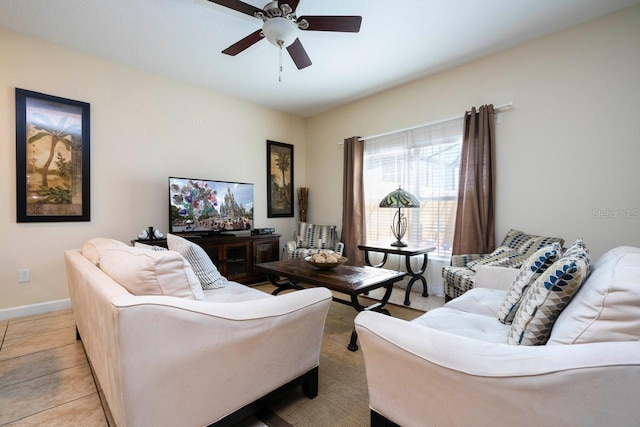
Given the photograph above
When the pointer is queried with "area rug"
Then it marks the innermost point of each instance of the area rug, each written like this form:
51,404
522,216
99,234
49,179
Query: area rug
343,399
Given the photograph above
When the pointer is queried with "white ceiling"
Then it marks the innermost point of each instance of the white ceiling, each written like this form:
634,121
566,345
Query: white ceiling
399,41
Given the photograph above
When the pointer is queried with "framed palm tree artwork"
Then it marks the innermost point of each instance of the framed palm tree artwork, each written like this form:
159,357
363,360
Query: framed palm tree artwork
279,180
52,158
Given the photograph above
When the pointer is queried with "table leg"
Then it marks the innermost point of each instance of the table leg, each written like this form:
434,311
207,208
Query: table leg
378,307
366,260
353,342
282,285
415,276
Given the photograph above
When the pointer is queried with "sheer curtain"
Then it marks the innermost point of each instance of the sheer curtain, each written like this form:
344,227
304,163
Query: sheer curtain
424,161
475,217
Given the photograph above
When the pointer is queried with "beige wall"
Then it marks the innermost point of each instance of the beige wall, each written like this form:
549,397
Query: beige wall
567,152
144,128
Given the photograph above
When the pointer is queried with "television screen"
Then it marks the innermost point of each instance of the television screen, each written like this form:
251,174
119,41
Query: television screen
209,207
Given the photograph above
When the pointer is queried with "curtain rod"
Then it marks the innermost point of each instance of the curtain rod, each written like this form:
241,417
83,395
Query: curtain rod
497,109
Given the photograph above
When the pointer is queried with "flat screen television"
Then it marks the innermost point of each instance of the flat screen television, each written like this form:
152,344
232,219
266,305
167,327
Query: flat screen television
209,207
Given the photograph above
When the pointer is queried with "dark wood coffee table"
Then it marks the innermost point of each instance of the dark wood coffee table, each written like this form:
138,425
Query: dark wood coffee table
350,280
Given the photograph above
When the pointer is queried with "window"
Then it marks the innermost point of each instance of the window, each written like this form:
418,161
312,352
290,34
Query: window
424,161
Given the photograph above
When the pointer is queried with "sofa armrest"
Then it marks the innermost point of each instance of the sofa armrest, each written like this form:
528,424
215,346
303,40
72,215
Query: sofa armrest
208,359
492,277
419,376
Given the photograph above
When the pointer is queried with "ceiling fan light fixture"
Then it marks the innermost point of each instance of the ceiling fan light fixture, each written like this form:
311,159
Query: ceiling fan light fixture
280,31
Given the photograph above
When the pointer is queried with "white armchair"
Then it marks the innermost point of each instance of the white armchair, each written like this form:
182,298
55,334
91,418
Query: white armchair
448,368
311,239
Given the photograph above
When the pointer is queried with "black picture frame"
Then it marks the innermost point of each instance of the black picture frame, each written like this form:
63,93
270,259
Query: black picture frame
52,158
279,180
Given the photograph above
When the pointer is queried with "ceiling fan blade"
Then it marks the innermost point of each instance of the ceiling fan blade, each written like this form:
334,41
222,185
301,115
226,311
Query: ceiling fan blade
299,55
238,6
243,44
345,24
292,3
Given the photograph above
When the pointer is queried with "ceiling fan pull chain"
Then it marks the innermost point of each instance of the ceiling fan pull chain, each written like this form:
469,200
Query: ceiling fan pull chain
280,43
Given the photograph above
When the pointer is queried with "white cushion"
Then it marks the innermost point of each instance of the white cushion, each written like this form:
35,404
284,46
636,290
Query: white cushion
479,301
205,269
613,255
607,307
147,272
470,325
233,292
92,249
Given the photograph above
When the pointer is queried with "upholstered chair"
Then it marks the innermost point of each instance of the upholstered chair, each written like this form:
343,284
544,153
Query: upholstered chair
311,239
515,249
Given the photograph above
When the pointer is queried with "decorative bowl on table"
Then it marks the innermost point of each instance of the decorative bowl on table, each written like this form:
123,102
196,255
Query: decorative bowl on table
325,262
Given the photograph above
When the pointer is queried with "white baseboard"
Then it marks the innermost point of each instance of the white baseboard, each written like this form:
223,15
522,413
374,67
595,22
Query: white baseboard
29,310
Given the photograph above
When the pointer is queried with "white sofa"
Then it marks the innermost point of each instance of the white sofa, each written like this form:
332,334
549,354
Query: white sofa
453,367
211,358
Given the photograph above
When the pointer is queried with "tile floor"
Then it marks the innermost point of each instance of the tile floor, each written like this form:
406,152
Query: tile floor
44,374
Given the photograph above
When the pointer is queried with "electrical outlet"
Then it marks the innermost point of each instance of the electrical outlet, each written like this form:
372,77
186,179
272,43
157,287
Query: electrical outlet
24,275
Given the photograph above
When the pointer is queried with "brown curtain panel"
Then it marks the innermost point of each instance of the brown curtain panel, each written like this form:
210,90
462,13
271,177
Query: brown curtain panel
353,215
474,231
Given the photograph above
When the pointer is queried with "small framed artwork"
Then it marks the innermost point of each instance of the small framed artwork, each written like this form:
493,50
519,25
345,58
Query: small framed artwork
279,180
52,158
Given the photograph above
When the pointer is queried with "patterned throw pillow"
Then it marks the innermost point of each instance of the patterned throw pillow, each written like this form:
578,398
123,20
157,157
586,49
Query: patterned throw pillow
545,300
313,236
527,244
205,269
149,247
503,256
532,268
579,248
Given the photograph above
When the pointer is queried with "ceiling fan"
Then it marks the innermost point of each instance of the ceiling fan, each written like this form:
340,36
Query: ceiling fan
280,27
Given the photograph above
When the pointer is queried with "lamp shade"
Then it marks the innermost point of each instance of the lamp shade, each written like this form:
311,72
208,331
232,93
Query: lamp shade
399,199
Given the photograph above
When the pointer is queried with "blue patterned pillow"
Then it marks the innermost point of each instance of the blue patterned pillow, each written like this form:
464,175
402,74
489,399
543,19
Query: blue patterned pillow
579,248
545,299
532,268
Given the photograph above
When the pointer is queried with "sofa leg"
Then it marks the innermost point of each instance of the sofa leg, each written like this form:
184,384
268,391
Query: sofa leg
310,384
78,338
447,298
378,420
